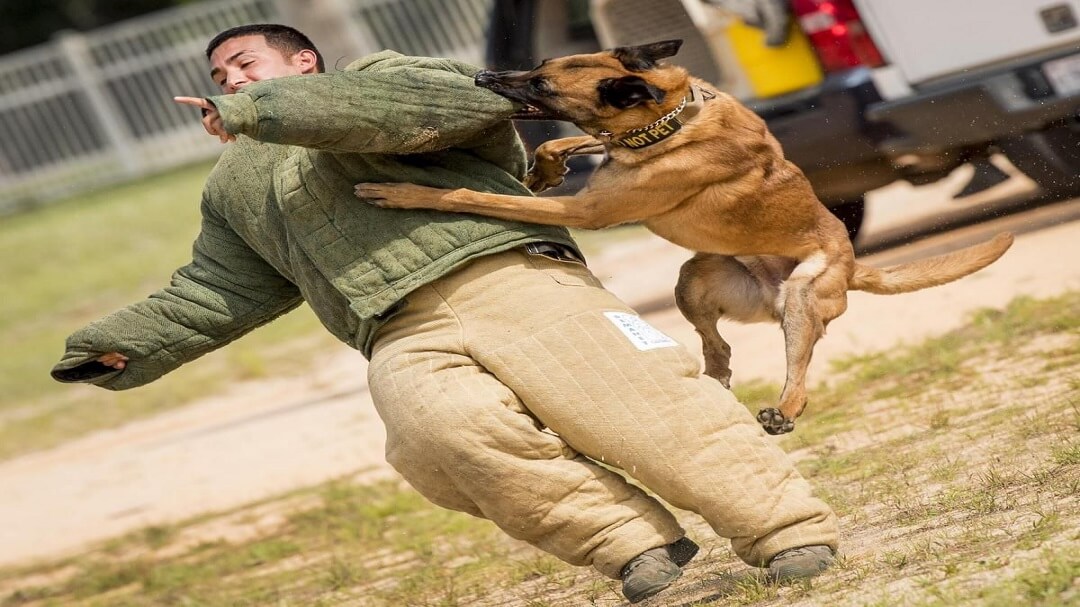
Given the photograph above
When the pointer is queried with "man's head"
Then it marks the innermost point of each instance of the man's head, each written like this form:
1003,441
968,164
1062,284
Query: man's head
249,53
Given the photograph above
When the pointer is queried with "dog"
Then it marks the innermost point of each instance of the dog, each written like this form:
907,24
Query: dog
701,170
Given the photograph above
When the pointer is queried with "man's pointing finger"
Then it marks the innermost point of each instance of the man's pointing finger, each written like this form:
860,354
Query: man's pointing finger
195,101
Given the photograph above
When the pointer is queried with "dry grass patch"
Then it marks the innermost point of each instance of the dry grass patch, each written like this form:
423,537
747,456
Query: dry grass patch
954,465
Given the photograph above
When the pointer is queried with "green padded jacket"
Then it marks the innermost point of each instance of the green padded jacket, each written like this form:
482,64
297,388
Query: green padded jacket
281,225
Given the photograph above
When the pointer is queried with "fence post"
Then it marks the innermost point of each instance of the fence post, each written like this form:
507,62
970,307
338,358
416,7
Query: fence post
76,53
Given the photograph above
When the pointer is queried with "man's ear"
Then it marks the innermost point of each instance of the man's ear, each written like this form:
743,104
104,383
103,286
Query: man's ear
645,56
628,91
307,61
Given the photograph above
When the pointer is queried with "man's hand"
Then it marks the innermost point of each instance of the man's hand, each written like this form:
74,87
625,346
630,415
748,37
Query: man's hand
211,119
115,360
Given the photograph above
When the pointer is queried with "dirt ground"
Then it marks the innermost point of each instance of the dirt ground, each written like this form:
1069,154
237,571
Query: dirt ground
263,438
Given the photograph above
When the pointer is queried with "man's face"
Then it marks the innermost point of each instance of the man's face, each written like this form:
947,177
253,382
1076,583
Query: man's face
240,61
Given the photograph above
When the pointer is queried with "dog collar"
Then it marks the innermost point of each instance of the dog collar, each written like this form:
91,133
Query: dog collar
667,125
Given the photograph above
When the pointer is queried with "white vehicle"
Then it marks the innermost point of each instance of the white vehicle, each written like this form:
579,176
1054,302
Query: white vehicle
863,92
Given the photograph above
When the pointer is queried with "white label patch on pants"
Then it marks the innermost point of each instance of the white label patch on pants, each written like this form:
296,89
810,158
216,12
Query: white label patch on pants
640,333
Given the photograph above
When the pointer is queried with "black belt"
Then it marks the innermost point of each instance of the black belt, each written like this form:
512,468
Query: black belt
554,250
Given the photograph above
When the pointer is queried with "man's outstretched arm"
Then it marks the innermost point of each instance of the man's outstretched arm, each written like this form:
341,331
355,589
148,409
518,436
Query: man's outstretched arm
401,110
226,291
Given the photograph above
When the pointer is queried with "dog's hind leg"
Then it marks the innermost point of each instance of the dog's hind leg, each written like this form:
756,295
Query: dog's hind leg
814,294
713,286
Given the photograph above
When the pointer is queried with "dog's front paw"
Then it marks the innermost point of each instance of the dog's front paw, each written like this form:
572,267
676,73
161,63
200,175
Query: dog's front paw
774,421
548,169
544,177
399,195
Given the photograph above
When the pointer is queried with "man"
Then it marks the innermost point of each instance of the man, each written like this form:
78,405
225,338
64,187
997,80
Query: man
502,369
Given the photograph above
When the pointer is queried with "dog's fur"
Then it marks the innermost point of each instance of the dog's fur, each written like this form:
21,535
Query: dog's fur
767,248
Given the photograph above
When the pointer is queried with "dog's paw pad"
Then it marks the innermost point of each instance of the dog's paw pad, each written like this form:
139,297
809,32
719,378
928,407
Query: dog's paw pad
774,421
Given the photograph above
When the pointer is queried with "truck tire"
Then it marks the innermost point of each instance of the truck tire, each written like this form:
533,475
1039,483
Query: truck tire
851,212
1050,157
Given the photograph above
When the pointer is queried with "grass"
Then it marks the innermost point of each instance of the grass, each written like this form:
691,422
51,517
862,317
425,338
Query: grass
382,539
974,500
75,261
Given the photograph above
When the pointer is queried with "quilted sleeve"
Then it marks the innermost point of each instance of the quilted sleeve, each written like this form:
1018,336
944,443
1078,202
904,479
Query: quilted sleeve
226,291
404,109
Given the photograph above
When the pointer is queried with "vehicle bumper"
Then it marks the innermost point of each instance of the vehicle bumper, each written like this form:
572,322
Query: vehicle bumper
974,109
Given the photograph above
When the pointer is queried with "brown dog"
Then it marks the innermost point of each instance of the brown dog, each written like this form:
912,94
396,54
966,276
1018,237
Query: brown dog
701,170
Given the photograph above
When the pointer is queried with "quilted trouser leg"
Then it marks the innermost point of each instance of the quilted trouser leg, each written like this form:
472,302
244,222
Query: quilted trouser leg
465,441
540,327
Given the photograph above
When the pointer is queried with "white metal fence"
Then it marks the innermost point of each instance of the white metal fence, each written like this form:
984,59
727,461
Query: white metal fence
90,109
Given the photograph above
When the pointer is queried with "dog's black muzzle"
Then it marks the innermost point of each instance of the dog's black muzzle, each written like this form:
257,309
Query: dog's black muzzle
507,84
514,86
490,80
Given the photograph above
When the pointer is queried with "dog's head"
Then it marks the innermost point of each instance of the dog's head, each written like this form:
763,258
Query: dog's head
616,90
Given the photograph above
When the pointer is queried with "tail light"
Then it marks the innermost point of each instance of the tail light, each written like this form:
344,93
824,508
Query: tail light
837,33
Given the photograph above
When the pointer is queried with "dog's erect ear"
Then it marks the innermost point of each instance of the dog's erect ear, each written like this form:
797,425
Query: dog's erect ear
645,56
628,91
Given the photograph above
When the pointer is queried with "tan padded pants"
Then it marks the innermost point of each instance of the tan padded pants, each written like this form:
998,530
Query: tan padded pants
502,384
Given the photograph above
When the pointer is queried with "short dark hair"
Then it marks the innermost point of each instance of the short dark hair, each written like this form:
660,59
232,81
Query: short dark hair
282,38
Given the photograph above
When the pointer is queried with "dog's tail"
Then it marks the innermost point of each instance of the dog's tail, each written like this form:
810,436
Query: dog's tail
929,272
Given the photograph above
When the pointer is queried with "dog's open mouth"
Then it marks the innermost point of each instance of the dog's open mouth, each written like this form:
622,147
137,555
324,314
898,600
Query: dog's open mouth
527,111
